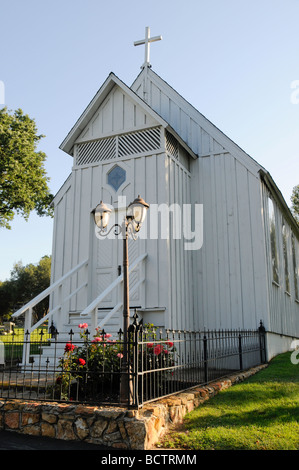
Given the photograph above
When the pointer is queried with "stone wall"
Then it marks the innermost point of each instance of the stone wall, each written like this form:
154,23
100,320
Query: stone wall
114,427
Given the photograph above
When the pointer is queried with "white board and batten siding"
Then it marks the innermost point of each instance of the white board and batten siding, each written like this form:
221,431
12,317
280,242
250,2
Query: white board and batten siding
116,114
71,243
283,297
167,266
231,291
229,277
156,175
180,311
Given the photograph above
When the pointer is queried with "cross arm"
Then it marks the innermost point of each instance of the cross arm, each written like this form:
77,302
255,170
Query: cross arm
142,41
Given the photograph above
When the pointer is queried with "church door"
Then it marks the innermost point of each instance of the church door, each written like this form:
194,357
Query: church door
108,261
109,265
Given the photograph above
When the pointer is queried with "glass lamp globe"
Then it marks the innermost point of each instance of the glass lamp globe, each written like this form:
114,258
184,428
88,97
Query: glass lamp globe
137,210
101,215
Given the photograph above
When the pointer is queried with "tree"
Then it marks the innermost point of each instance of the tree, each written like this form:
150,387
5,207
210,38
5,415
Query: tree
23,180
295,203
25,283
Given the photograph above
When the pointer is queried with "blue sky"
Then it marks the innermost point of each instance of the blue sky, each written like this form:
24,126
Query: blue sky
234,60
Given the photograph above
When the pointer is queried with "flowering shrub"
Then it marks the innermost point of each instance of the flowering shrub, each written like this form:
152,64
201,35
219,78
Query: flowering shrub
90,366
93,368
158,353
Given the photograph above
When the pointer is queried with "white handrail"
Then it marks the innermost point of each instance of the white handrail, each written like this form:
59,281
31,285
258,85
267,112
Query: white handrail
48,291
109,315
94,304
27,308
119,305
43,319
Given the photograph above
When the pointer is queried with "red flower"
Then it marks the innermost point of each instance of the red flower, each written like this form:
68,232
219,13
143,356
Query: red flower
169,344
158,349
150,345
81,362
69,347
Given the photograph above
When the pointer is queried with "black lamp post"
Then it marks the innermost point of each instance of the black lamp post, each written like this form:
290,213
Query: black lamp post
131,225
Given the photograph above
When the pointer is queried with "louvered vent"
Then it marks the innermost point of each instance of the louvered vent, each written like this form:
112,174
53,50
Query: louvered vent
172,146
119,146
90,152
139,142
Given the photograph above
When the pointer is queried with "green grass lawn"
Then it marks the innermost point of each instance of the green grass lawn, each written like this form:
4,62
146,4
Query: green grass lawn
18,335
261,413
13,343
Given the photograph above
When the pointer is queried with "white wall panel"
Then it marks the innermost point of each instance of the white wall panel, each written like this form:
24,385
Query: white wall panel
118,113
233,276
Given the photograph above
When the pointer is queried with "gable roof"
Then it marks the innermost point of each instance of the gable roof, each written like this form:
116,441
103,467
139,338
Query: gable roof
202,123
68,143
187,121
162,114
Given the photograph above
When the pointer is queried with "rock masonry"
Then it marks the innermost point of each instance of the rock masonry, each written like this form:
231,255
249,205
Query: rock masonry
118,428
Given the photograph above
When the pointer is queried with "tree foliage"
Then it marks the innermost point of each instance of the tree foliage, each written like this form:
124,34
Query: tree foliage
24,284
23,180
295,203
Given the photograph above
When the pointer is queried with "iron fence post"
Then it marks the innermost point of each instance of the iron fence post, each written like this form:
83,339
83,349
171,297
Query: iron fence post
205,357
262,341
240,352
133,333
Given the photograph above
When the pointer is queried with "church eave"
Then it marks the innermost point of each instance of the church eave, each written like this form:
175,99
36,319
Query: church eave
68,143
276,193
181,141
226,142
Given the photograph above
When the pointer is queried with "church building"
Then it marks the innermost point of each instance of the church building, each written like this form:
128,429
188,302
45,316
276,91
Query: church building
219,248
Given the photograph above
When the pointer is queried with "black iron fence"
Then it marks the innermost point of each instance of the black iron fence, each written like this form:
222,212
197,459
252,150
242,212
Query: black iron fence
92,369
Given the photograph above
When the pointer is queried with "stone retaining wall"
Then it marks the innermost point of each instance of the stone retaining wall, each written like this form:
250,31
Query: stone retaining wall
115,427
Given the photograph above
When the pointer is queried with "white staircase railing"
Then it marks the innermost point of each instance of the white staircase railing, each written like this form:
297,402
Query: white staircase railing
28,308
92,308
117,307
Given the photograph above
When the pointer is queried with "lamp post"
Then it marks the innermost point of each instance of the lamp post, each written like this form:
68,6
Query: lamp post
136,213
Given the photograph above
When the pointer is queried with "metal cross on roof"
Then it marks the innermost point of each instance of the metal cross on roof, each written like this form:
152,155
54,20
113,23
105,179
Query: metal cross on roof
147,42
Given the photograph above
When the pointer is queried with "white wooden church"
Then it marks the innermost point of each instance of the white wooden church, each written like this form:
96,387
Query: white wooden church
240,267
